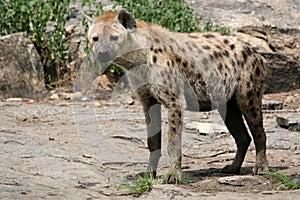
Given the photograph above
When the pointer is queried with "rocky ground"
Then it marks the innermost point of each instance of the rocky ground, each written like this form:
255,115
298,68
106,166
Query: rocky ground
78,146
86,149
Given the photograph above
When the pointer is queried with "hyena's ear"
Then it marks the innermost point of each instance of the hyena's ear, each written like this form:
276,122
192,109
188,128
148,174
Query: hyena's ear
127,20
87,18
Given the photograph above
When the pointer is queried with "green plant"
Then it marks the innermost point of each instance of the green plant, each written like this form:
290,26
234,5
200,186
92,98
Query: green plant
58,49
32,17
283,179
174,15
210,27
143,183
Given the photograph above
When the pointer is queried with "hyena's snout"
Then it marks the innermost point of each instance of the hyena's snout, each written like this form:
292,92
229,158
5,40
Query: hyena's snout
104,52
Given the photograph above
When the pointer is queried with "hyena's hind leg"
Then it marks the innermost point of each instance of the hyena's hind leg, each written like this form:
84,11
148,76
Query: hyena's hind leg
232,116
252,112
250,101
152,111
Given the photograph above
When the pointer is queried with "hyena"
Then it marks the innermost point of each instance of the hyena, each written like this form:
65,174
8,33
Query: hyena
222,72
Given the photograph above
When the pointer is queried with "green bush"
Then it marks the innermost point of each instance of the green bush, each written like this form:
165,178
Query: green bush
32,17
174,15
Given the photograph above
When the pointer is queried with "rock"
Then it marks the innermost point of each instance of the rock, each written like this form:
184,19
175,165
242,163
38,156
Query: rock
14,100
97,104
272,105
125,100
54,97
206,128
290,122
86,156
21,70
130,101
281,51
282,72
236,180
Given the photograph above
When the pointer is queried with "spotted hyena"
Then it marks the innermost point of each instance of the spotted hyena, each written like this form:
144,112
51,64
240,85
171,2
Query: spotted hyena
221,71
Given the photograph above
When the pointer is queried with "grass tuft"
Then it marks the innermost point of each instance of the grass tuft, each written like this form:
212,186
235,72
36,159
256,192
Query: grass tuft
142,184
283,179
145,182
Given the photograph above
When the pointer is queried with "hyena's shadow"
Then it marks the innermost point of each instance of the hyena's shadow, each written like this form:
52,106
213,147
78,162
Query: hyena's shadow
202,174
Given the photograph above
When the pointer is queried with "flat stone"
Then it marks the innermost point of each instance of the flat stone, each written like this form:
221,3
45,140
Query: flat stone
236,180
269,192
272,105
206,127
14,100
290,121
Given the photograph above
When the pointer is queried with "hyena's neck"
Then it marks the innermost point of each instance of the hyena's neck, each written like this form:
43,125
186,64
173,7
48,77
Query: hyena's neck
136,49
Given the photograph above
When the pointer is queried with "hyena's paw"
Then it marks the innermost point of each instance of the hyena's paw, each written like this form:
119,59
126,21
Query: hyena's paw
260,167
261,164
174,177
231,169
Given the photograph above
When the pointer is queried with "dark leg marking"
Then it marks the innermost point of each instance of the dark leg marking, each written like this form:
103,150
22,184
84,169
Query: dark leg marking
232,116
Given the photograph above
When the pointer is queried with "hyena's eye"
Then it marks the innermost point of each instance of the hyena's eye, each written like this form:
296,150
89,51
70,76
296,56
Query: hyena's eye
113,38
95,38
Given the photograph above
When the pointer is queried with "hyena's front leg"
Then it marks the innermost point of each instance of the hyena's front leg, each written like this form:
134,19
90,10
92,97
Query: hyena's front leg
174,107
152,110
174,141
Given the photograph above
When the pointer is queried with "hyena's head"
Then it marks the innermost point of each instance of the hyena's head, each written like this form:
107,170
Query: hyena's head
108,34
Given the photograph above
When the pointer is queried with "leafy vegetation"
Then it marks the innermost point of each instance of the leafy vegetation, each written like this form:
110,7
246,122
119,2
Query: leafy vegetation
210,27
145,182
34,16
142,184
174,15
283,179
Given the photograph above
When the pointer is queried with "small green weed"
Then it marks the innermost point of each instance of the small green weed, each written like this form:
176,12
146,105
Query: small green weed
283,179
210,27
142,184
145,182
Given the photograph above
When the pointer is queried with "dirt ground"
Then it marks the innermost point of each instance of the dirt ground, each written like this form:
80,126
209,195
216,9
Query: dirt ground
86,149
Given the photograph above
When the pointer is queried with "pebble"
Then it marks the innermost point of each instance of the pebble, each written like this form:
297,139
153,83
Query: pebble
14,100
54,97
86,156
84,98
269,192
130,101
97,104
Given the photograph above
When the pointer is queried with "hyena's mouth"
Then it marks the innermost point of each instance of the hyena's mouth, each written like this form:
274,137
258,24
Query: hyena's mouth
105,57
